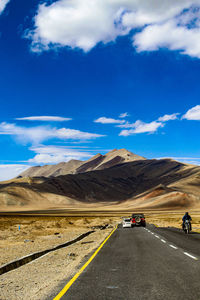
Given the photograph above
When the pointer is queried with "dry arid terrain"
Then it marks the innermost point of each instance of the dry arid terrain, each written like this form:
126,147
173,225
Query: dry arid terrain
37,279
142,184
40,233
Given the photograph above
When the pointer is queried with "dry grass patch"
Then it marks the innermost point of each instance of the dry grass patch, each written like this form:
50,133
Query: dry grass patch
40,233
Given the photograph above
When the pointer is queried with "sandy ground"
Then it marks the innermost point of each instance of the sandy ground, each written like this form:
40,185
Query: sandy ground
40,233
36,280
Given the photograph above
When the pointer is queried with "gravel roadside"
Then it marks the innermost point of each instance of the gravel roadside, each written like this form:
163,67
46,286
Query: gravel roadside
36,280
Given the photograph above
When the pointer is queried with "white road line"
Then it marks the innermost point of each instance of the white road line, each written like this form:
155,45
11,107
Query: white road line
172,246
190,255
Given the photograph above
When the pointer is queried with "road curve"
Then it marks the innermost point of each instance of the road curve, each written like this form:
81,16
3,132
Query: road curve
142,263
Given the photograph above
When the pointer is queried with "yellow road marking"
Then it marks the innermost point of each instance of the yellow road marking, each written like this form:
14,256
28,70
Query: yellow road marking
65,289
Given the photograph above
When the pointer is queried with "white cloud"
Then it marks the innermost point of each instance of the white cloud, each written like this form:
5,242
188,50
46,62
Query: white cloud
76,23
44,118
56,154
169,35
166,118
126,125
104,120
83,24
3,4
124,115
193,113
9,171
141,127
41,133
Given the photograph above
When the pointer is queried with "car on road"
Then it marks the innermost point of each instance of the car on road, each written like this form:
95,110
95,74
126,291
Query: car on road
126,223
138,220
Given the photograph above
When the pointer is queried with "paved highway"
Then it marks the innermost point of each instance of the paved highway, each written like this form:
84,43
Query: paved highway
142,263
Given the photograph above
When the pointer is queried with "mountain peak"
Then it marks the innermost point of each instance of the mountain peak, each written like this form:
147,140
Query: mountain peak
112,151
96,162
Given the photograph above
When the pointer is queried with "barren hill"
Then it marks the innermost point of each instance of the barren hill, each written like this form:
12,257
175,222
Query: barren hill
97,162
158,184
112,158
53,170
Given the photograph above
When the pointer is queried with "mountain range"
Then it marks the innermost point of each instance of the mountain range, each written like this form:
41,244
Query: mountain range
97,162
119,180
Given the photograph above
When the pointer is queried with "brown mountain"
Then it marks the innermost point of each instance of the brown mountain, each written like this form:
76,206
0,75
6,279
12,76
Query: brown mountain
97,162
142,184
112,158
62,168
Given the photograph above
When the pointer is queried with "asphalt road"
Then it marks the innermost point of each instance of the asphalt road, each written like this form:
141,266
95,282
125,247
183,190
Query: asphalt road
146,264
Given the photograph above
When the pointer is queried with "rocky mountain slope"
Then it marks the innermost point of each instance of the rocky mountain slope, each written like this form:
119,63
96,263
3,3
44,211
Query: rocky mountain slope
62,168
97,162
146,184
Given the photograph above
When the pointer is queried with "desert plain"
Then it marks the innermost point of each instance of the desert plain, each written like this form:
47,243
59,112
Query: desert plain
24,234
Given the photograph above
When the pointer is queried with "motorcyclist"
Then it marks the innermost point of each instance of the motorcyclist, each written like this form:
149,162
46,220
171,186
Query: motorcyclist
186,217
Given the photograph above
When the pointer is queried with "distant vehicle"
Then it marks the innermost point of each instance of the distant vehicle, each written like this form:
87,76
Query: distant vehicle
138,220
187,226
126,223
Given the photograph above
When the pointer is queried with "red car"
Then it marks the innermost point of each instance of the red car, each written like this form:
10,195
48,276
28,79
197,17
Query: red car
138,220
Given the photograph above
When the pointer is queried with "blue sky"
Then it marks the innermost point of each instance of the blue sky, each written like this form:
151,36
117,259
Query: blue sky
82,77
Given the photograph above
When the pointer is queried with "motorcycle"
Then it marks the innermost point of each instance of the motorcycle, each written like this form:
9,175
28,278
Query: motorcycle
187,227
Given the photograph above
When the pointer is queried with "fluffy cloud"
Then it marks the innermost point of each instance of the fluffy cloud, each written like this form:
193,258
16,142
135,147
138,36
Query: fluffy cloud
10,171
169,35
41,133
193,113
44,118
166,118
56,154
3,4
76,23
83,24
141,127
104,120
